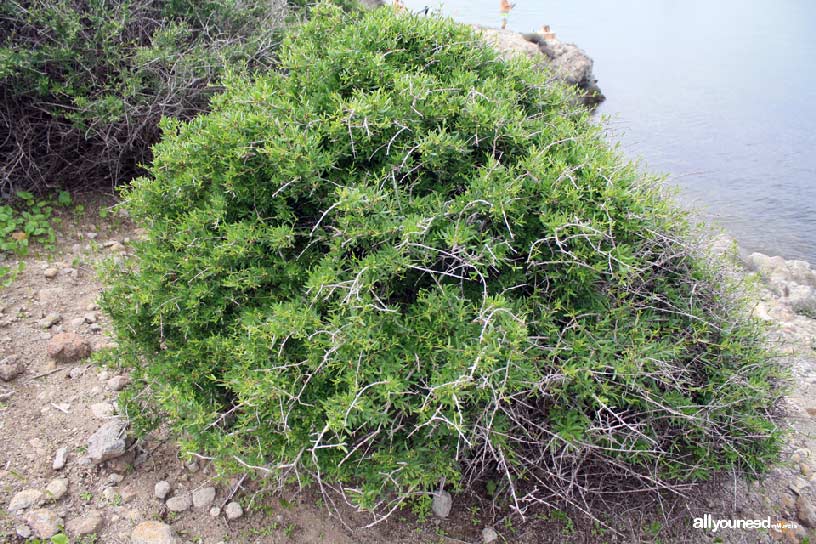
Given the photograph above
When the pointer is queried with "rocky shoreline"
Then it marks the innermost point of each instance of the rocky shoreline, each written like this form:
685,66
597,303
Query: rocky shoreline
566,61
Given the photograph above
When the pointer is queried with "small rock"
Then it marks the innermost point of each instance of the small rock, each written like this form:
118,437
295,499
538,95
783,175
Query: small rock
102,410
233,511
24,499
56,489
51,273
192,466
215,511
10,368
95,327
798,484
153,532
23,531
805,512
115,478
117,383
68,347
442,504
50,320
109,441
204,497
88,524
60,458
161,489
76,372
489,535
77,323
111,495
43,522
90,317
179,504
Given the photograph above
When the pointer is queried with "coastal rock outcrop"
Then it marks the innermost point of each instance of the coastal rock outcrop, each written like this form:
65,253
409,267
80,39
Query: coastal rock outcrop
567,62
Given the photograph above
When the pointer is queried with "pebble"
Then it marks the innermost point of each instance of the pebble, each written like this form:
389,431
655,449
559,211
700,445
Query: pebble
50,320
489,535
179,504
233,511
60,458
57,489
24,499
102,410
805,512
77,322
192,466
76,372
442,504
87,524
798,484
10,368
115,478
153,532
161,489
109,441
44,523
117,383
23,531
68,347
51,273
204,497
215,511
111,494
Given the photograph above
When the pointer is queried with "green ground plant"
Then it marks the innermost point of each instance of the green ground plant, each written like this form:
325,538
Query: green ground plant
399,263
24,221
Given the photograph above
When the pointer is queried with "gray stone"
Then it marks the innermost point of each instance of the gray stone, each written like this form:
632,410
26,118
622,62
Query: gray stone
56,489
24,499
10,368
117,383
102,410
233,511
60,459
153,532
50,320
161,489
23,531
51,273
44,523
87,524
489,535
568,63
215,511
798,484
179,503
805,512
90,317
109,441
204,497
442,504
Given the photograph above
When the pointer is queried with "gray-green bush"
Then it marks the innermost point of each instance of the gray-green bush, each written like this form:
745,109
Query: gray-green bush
399,261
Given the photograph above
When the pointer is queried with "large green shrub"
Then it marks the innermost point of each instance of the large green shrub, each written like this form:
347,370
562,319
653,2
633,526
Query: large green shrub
83,84
400,261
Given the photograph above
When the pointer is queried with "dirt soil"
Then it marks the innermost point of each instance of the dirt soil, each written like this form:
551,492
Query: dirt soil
54,405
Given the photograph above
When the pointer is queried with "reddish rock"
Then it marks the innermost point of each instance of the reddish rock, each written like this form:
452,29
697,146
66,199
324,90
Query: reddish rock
68,348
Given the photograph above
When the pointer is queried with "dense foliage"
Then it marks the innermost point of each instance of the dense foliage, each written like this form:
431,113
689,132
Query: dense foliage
400,263
83,84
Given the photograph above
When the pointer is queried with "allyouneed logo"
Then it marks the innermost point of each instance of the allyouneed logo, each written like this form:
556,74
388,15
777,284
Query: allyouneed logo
708,522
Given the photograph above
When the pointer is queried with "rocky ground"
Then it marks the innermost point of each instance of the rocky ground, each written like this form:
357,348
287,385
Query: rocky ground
67,464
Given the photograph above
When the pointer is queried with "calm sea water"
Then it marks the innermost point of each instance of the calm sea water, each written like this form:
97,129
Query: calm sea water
719,95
